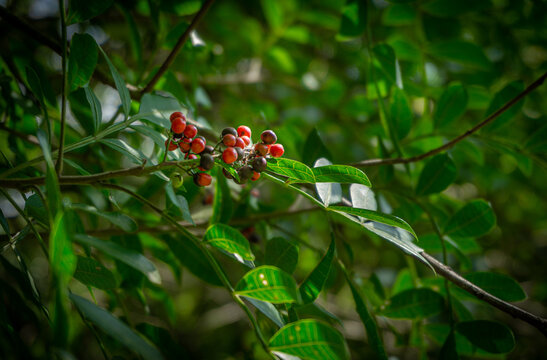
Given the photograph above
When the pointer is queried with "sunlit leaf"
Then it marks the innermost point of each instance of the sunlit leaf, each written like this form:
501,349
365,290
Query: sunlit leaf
309,339
268,283
230,240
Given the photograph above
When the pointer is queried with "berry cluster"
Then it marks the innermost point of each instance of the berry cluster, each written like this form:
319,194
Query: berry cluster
236,146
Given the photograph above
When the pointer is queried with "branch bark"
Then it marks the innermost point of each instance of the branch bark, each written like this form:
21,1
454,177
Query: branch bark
447,272
181,41
448,145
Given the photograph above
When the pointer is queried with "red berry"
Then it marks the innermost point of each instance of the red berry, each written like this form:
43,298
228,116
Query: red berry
246,140
198,145
190,131
172,145
176,114
178,125
244,131
268,137
229,155
255,176
184,146
261,149
202,179
229,140
240,143
276,150
191,156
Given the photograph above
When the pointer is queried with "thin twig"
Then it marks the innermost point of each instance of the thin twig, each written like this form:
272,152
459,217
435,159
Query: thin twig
448,145
59,164
182,40
447,272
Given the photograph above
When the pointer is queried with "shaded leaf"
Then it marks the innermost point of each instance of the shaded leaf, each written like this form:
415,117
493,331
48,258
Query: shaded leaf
401,113
92,273
120,85
80,11
115,328
309,339
127,256
282,254
96,110
82,60
118,219
123,148
354,20
501,98
475,219
438,173
268,283
368,320
312,286
464,53
158,108
491,336
222,200
414,304
451,105
314,148
52,184
192,257
267,309
499,285
61,255
386,58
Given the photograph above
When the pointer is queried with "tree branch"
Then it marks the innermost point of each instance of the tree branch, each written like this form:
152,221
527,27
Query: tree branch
448,145
95,178
171,57
447,272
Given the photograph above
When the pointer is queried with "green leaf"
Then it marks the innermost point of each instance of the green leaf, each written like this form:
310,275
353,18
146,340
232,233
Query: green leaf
537,142
475,219
400,15
127,256
343,174
386,58
118,219
61,255
268,283
312,286
309,339
461,52
501,98
401,113
52,185
230,240
80,11
180,202
34,207
374,216
123,148
82,60
96,110
269,310
120,85
491,336
450,8
281,253
193,258
229,168
354,20
362,197
438,173
451,105
499,285
329,193
273,12
158,108
314,148
222,200
115,328
149,132
368,320
294,170
5,224
92,273
414,304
